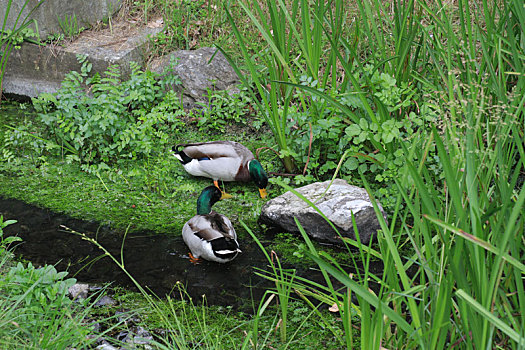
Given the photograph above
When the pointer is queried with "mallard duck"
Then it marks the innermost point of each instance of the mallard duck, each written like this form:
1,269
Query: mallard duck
208,234
222,160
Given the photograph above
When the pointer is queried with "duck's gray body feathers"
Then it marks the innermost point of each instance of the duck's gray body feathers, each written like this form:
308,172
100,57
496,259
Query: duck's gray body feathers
218,160
211,237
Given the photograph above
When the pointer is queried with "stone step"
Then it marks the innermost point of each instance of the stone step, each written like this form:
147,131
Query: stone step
49,13
34,69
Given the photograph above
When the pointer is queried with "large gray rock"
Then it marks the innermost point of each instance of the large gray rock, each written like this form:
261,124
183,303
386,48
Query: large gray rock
337,204
198,74
48,13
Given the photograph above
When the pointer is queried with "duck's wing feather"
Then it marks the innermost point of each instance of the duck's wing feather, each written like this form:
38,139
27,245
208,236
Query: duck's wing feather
212,226
216,149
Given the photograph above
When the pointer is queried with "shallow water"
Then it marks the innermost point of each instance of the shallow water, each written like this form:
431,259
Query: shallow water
156,261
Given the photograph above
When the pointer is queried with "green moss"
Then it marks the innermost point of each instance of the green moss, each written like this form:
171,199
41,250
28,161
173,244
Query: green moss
122,200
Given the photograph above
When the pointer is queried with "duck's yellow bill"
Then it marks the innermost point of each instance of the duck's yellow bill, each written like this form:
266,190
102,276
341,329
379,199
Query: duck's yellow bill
262,192
225,195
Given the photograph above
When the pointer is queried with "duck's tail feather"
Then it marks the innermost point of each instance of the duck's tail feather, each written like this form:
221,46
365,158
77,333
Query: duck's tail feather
180,155
225,248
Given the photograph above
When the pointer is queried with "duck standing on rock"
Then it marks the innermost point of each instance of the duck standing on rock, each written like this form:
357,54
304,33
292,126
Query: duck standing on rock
222,160
208,234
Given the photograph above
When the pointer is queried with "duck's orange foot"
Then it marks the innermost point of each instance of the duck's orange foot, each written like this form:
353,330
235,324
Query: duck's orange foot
194,260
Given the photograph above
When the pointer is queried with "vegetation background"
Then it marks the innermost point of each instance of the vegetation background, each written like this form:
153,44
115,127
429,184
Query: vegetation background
421,102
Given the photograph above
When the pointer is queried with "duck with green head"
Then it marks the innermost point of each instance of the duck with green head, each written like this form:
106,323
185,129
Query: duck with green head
210,235
222,160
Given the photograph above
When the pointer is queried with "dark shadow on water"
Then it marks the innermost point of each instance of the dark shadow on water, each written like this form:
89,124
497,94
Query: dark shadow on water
156,261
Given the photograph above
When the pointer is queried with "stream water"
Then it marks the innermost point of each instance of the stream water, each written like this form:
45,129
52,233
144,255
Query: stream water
156,261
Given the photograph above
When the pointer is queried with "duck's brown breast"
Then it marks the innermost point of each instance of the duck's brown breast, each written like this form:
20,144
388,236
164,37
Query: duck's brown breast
243,174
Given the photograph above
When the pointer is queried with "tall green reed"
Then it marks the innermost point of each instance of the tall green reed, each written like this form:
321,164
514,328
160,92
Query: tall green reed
394,36
484,57
283,281
287,282
461,281
295,47
380,41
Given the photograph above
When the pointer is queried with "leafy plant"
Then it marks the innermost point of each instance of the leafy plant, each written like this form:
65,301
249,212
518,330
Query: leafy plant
121,119
5,241
37,310
344,138
222,110
50,291
21,141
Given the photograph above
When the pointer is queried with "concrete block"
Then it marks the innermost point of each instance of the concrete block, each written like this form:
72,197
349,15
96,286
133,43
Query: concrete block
35,69
86,12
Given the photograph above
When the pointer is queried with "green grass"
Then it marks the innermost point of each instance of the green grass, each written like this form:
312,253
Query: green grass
221,327
123,200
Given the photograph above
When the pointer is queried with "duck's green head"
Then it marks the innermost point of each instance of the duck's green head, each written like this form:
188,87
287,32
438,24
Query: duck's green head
259,176
209,196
